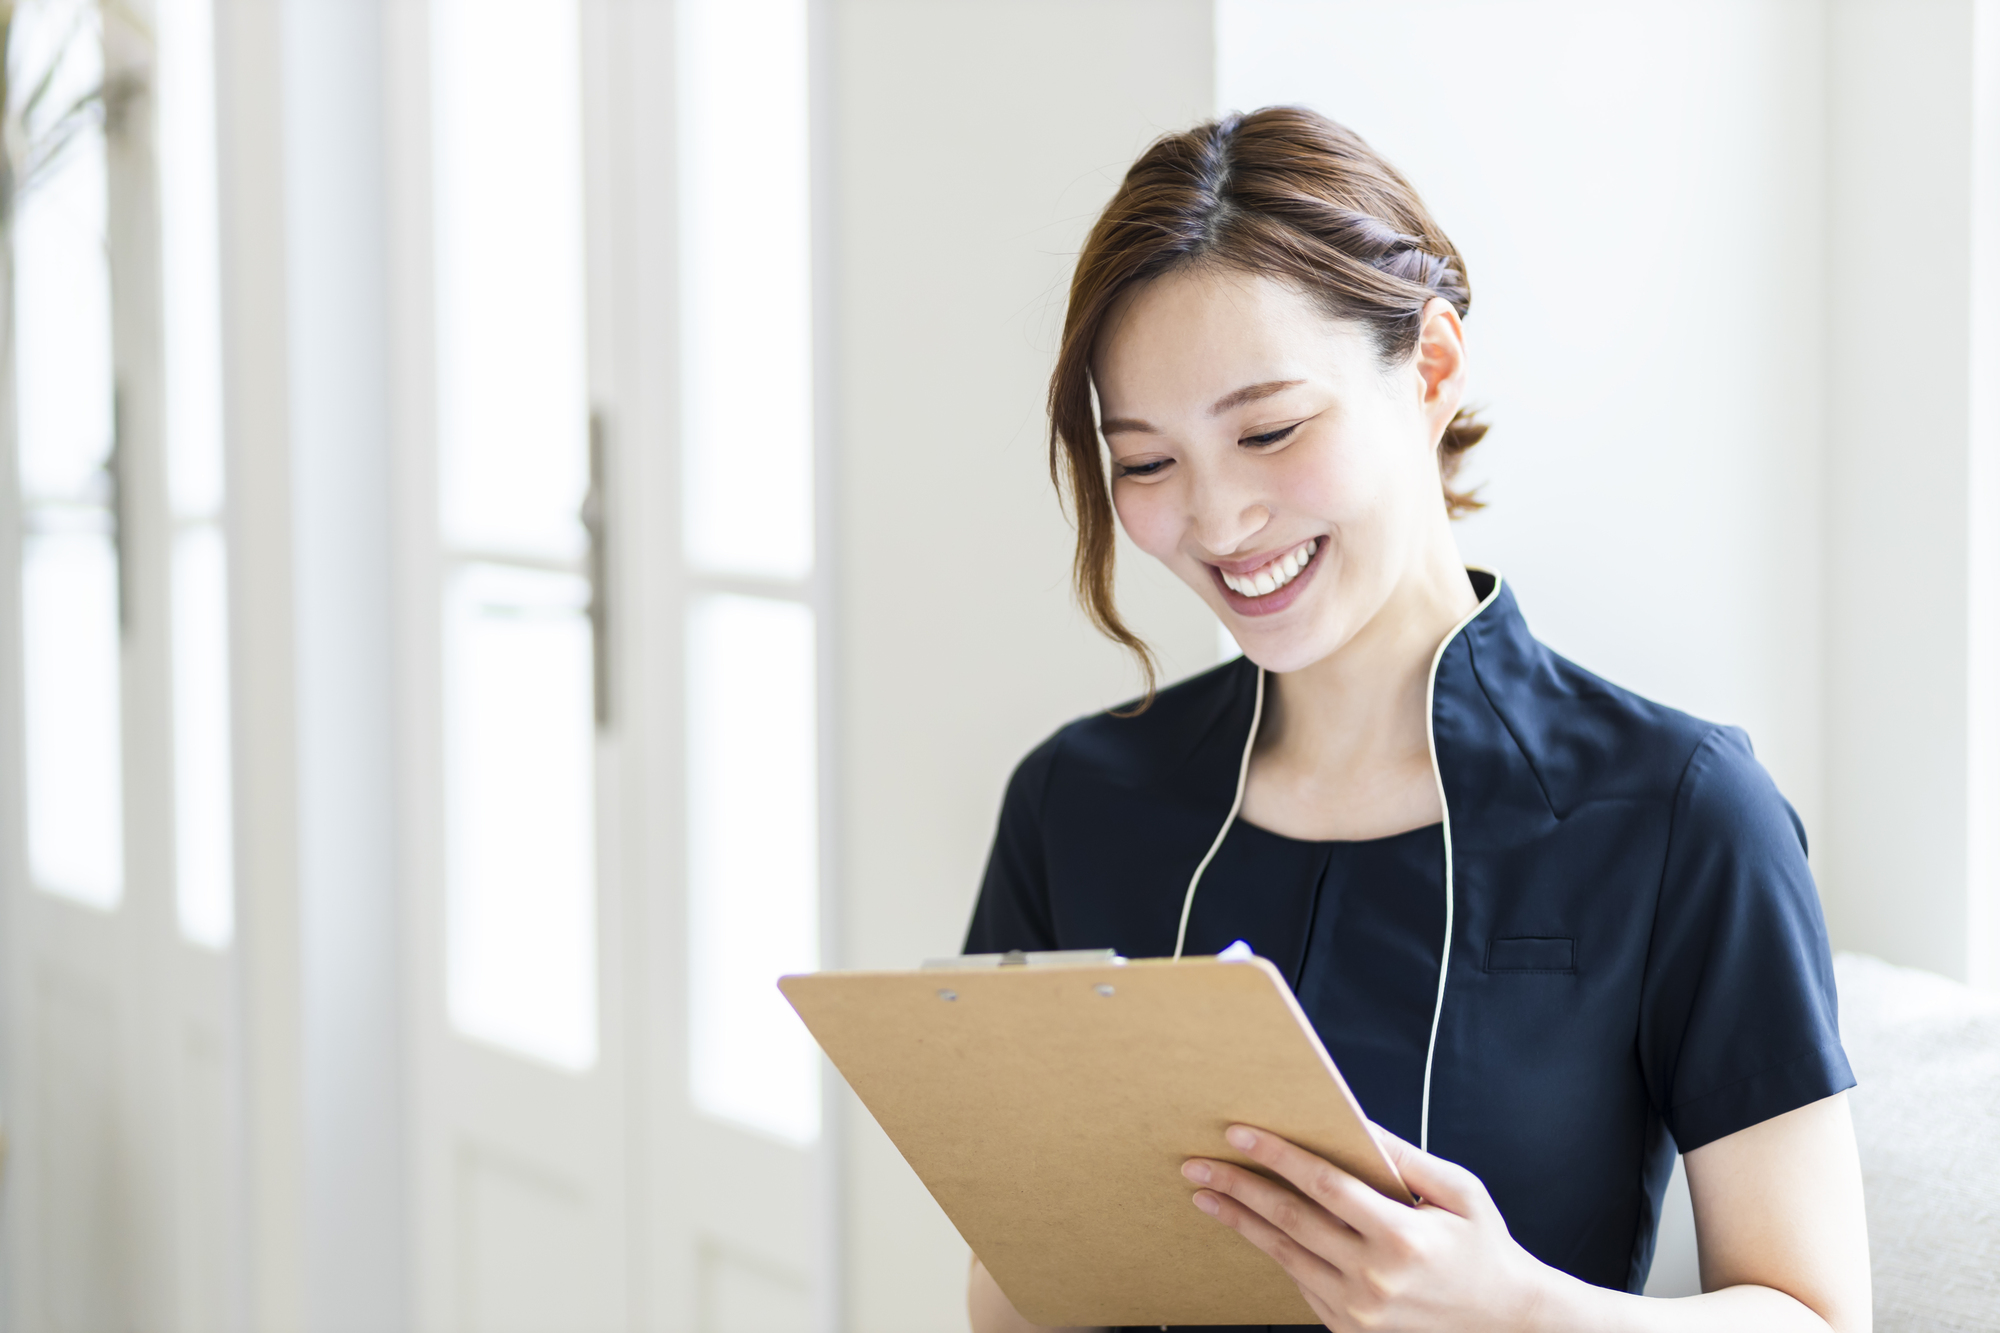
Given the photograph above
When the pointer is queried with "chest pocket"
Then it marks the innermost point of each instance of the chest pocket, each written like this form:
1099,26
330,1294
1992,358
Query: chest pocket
1532,953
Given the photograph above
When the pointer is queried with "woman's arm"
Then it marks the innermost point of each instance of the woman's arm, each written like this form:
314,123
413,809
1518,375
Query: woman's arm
1778,1216
992,1312
1779,1205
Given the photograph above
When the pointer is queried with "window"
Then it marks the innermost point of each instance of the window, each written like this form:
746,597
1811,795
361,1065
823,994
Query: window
191,292
748,529
68,457
515,473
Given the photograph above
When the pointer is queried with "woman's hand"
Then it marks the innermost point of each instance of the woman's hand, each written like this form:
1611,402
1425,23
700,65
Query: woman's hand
1784,1242
1364,1261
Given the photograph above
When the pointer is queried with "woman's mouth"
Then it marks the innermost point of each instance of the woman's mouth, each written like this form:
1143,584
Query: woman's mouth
1271,586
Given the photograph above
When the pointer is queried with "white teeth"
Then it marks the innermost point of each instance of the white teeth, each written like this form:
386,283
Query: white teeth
1274,575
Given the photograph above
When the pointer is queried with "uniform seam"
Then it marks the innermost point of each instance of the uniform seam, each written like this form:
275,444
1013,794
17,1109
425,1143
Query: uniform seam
1674,808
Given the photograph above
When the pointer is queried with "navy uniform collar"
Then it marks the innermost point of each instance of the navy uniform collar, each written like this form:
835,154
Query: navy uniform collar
1201,750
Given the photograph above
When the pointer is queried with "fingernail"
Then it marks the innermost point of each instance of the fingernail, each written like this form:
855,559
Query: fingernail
1207,1203
1240,1137
1198,1172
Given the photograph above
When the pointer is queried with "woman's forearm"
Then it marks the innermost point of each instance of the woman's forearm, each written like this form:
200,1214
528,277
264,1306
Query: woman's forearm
1571,1306
1577,1307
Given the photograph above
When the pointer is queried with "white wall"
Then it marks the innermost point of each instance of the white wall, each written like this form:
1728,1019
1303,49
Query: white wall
1907,604
974,144
1720,256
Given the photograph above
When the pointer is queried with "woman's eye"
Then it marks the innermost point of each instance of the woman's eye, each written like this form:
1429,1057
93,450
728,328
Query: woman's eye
1269,436
1142,469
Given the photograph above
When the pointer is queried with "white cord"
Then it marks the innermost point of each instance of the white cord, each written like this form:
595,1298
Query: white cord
1242,780
1450,896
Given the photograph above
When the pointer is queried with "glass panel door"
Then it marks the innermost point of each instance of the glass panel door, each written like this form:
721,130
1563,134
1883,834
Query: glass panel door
748,532
191,302
515,468
67,448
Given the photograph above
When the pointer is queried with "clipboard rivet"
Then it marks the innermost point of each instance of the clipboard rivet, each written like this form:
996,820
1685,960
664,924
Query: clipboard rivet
947,995
1105,988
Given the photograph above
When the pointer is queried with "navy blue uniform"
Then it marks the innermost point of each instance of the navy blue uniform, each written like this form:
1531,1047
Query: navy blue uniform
1637,957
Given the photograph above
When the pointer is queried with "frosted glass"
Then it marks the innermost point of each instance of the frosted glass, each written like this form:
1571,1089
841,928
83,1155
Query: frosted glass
513,419
204,860
753,845
746,287
190,271
69,602
191,291
69,568
521,874
62,303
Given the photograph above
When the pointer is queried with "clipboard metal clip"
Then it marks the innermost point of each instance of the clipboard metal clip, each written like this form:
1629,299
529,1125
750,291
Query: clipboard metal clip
1027,958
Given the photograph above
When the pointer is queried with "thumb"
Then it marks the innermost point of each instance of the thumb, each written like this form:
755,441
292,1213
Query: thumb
1442,1184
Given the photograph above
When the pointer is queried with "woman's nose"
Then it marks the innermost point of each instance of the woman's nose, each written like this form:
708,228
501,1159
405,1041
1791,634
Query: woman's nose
1225,519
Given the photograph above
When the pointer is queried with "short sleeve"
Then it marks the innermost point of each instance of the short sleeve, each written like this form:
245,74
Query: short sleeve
1013,907
1739,1020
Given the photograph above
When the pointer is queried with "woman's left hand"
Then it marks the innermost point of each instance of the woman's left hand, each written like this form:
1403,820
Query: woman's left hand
1363,1261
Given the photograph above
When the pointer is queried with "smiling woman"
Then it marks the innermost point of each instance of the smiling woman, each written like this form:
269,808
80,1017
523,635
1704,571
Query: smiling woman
1300,200
1551,932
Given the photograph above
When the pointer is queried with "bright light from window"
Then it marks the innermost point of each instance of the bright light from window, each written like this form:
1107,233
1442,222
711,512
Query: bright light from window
747,512
69,593
519,741
753,859
190,271
63,378
191,283
746,288
513,442
513,420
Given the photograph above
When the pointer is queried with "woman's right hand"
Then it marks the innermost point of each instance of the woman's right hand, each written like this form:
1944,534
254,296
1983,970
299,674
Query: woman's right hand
992,1312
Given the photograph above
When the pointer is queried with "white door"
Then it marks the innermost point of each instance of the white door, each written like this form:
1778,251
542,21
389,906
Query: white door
118,900
745,1190
615,670
523,1120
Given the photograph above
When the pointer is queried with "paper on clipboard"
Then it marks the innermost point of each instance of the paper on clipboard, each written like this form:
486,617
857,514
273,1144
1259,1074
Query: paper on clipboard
1048,1110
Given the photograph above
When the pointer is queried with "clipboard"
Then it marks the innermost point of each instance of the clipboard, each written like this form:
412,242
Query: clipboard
1048,1109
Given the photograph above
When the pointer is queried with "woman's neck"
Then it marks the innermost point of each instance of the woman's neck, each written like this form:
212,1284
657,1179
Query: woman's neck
1343,752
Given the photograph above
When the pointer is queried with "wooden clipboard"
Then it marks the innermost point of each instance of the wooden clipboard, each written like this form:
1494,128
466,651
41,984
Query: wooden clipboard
1048,1111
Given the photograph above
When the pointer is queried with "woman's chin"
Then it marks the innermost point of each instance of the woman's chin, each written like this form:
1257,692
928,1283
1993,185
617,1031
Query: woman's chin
1277,649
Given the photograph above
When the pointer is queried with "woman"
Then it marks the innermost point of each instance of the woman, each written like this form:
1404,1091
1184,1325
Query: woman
1549,931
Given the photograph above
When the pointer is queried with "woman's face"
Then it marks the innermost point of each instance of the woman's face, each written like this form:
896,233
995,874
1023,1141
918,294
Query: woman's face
1264,453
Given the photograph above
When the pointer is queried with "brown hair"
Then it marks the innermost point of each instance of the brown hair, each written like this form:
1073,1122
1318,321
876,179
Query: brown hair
1283,192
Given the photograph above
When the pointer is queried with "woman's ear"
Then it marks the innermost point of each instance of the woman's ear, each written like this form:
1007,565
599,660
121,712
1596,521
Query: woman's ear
1440,358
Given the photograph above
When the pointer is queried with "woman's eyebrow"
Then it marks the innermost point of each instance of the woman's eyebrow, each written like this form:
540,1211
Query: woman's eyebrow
1250,393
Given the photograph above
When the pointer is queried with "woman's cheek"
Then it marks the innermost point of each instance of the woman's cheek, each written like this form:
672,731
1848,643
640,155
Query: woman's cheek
1148,517
1329,485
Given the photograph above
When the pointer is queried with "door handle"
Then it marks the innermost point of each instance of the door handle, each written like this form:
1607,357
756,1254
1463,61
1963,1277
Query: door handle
115,505
595,566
